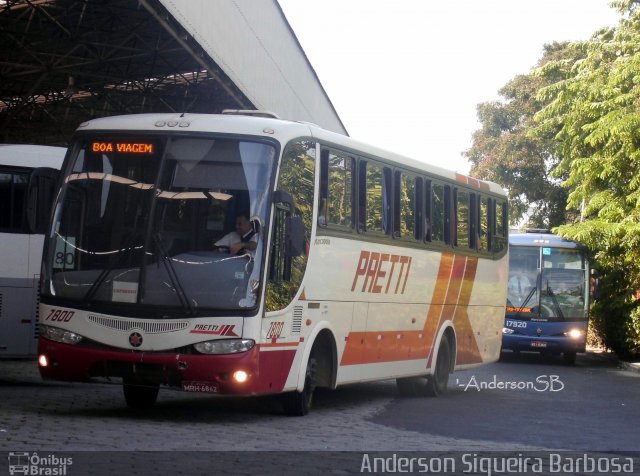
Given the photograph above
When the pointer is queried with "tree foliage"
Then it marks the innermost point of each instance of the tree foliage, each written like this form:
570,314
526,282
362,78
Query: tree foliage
505,152
593,110
565,141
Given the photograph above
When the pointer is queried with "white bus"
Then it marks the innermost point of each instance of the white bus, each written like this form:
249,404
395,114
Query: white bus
21,248
364,265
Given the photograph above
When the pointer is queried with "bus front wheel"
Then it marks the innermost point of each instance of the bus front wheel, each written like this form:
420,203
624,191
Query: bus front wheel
299,403
139,395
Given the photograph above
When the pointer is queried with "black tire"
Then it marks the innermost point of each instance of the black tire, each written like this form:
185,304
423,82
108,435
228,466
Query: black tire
299,403
437,383
569,358
140,395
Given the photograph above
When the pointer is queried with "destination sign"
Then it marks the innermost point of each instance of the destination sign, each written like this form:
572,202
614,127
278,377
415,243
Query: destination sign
519,309
123,147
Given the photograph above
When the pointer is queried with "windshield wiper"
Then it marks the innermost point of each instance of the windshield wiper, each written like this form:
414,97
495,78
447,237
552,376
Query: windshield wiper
187,305
526,301
556,304
105,272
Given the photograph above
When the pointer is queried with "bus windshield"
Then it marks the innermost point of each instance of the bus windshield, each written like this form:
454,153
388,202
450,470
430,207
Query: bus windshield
138,217
547,284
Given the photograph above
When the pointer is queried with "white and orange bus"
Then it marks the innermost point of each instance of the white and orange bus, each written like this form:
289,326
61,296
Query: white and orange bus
364,265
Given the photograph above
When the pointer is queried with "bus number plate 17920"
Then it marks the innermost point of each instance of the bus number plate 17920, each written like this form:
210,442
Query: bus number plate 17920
204,387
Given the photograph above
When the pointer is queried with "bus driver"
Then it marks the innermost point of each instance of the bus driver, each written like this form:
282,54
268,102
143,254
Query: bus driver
243,239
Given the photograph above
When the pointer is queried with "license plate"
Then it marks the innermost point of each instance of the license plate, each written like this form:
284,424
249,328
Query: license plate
539,344
203,387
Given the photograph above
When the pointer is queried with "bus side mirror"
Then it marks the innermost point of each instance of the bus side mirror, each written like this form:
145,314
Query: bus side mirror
294,228
40,195
295,237
280,196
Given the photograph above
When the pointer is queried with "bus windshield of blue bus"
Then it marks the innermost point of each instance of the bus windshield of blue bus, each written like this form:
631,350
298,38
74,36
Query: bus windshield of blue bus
138,217
547,284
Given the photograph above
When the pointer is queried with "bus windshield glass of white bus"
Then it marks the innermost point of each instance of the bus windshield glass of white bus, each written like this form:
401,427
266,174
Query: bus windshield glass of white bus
138,217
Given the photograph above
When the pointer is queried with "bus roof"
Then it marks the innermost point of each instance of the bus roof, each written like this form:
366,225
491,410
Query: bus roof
27,155
541,239
282,130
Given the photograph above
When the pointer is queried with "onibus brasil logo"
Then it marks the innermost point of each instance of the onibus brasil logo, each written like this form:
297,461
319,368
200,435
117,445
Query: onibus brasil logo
23,462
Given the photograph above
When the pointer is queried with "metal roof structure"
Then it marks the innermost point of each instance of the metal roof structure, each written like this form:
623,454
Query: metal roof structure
65,61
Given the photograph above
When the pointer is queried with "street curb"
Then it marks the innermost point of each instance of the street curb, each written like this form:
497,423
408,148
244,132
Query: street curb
630,366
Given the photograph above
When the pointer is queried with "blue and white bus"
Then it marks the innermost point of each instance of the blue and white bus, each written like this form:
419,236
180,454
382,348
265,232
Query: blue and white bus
548,295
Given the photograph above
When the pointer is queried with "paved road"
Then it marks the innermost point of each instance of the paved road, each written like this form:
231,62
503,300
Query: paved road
592,406
595,410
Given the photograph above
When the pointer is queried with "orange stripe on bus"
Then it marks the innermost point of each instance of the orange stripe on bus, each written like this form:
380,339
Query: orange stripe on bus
449,302
383,346
461,178
367,347
473,182
467,346
279,344
437,307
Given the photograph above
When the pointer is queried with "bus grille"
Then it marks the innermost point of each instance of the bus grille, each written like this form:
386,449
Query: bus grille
296,324
146,326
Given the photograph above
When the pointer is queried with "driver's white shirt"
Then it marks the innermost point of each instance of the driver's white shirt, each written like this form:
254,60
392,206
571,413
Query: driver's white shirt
233,237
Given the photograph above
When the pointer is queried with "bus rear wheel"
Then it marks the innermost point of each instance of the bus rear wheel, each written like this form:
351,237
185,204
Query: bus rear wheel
299,403
139,395
432,385
437,383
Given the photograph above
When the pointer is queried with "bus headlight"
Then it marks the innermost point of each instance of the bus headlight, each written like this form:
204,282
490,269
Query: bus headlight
506,330
224,346
59,335
574,333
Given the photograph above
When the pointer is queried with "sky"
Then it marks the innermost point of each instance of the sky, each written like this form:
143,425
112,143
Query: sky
407,75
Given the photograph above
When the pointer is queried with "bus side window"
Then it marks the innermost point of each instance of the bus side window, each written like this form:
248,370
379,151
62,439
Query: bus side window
337,190
374,193
405,205
499,225
427,222
473,221
462,216
13,186
438,213
483,224
419,212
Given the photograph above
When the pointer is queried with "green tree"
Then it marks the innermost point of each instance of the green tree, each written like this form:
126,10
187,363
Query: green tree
504,150
593,110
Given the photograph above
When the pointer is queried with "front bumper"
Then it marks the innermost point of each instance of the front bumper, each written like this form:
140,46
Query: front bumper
553,344
267,371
